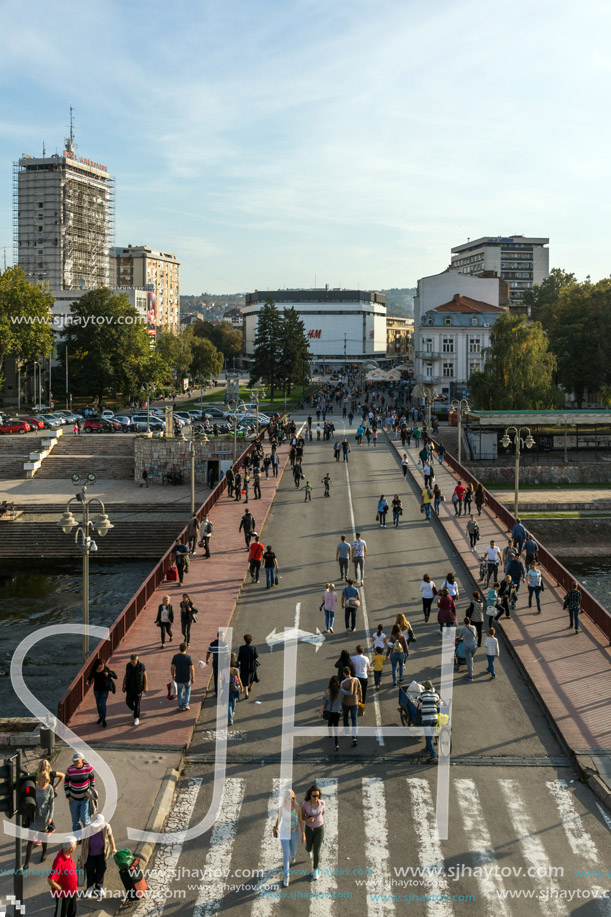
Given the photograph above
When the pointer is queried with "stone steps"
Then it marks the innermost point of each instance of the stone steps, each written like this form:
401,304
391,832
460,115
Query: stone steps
105,467
113,444
36,540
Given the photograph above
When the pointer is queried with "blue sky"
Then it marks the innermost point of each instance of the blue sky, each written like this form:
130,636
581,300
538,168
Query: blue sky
352,141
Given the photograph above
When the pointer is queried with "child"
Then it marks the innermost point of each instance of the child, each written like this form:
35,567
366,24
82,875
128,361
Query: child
492,650
308,491
378,661
491,603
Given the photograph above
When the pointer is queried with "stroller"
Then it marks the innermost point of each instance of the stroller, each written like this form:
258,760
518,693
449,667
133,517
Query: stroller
459,654
443,736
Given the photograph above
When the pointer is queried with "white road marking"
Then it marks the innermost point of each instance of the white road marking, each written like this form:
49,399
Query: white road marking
480,845
163,870
581,843
212,889
376,704
376,845
429,848
323,904
270,859
532,849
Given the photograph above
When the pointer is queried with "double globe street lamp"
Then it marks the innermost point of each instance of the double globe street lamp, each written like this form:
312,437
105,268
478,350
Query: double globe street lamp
100,524
462,408
518,442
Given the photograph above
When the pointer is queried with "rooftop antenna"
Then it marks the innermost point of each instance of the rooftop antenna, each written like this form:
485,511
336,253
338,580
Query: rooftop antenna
44,151
70,144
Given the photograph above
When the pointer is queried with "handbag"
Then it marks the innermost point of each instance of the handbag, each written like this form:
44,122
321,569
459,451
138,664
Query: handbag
434,590
172,690
361,707
276,580
326,714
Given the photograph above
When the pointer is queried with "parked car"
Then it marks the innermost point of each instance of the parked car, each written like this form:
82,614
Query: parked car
107,415
15,426
63,420
35,422
101,425
139,422
125,421
183,415
70,417
215,413
50,421
40,408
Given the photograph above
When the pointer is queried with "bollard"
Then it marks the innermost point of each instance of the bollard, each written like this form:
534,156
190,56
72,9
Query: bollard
47,739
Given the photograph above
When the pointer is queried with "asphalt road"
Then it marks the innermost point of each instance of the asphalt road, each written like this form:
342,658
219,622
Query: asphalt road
520,823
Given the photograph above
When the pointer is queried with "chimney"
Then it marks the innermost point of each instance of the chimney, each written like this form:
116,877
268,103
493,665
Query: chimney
457,297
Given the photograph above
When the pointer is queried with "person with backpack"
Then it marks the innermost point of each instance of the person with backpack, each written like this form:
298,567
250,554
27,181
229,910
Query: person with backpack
350,688
475,612
235,687
351,599
205,532
397,651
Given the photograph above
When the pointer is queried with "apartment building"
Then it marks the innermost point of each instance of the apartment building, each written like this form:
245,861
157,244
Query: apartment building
520,260
155,271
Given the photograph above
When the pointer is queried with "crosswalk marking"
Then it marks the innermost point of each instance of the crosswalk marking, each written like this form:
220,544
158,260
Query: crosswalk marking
168,855
429,848
323,905
532,847
270,859
222,837
376,844
579,840
480,844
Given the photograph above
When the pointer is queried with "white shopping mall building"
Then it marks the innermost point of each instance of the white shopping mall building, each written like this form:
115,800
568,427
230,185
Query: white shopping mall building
341,325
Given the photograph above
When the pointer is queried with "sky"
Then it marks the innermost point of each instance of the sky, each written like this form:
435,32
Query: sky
293,143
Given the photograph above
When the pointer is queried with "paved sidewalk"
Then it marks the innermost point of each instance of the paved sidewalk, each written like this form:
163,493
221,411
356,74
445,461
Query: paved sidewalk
213,585
570,672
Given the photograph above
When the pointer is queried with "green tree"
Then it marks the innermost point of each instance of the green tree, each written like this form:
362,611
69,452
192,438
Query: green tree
207,361
176,350
518,372
294,350
267,356
109,346
543,298
580,336
223,335
25,331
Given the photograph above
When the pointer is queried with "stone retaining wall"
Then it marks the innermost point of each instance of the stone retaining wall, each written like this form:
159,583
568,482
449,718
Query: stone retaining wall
161,456
580,473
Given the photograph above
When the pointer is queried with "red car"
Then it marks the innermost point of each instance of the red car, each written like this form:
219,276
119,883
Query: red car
101,425
15,426
35,423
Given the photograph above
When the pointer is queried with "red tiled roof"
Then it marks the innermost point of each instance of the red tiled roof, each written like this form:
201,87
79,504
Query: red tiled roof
465,304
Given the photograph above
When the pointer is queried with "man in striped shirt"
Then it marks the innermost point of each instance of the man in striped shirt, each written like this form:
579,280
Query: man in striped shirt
79,781
428,705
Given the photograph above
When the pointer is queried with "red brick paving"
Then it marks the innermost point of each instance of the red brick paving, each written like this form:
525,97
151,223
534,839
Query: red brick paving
214,586
570,672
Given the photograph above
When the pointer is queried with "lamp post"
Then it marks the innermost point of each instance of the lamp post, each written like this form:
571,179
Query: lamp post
234,404
461,407
190,438
518,442
37,394
82,537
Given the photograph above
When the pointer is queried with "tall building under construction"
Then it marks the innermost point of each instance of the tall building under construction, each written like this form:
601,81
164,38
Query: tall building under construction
63,219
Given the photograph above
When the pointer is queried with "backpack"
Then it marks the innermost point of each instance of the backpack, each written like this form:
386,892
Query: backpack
235,684
397,647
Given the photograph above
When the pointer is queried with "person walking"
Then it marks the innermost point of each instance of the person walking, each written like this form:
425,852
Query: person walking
473,531
382,511
313,811
43,815
438,498
229,477
505,597
144,480
428,704
336,450
446,616
451,585
188,615
475,613
256,483
205,531
182,671
534,581
351,599
517,573
468,635
350,688
491,645
479,498
270,565
362,665
248,663
344,661
95,851
247,525
55,777
428,474
426,498
428,591
342,555
165,619
404,465
518,533
346,450
441,451
235,687
63,880
237,486
289,828
217,648
135,684
358,553
328,483
329,601
79,782
255,555
102,678
193,528
181,556
493,559
397,510
457,498
468,499
307,488
572,602
397,652
331,707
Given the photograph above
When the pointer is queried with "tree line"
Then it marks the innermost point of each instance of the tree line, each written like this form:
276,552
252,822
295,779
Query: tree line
282,351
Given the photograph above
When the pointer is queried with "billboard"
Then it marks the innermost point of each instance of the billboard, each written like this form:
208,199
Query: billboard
151,314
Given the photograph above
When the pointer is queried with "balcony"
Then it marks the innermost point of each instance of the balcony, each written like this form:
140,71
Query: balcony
431,354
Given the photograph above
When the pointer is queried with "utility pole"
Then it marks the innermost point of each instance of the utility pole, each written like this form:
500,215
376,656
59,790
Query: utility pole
67,395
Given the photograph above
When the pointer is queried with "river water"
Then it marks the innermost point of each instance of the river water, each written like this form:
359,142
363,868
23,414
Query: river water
40,594
593,573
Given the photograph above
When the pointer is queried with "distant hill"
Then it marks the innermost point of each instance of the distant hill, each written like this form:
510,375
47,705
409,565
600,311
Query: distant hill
400,301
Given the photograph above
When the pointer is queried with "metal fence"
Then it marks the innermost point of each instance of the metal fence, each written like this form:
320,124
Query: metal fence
564,578
105,648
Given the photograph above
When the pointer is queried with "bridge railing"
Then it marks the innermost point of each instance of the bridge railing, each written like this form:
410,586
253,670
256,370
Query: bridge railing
590,606
104,650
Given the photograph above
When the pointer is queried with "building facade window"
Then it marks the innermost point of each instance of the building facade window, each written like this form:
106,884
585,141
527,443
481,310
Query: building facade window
447,345
428,370
448,370
475,345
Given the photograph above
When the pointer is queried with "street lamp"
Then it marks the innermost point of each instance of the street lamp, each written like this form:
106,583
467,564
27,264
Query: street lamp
235,427
461,407
256,394
191,440
99,523
506,441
